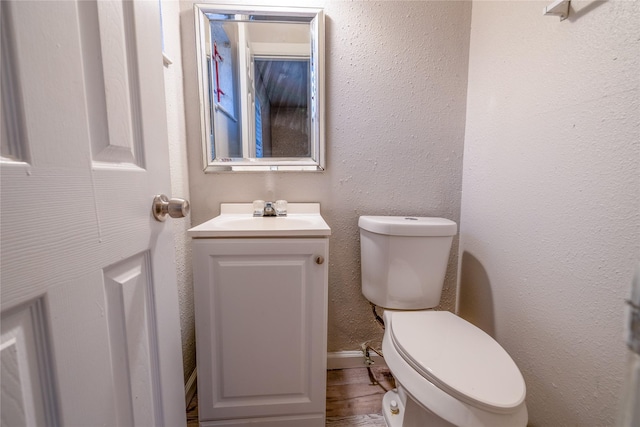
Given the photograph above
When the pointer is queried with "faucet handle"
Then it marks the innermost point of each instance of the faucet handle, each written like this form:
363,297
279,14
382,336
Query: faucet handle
258,207
281,207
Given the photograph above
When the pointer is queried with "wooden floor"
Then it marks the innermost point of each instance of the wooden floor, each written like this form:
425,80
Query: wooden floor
352,400
192,412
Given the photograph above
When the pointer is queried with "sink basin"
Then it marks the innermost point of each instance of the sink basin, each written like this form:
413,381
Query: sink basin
251,223
237,220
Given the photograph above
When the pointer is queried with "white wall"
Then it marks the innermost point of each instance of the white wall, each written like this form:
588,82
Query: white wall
396,83
179,177
551,197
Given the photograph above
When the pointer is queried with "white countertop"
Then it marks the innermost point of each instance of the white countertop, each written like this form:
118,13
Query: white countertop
237,220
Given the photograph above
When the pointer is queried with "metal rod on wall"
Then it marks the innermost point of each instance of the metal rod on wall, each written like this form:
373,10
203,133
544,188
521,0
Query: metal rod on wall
558,8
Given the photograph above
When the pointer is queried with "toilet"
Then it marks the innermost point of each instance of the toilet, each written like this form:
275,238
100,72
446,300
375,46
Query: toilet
448,372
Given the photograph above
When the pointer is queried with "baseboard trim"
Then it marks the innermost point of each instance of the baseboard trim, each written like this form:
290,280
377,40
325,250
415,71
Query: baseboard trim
190,386
351,359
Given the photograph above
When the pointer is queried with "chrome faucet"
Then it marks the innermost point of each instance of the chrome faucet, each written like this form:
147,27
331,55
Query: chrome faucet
277,208
269,210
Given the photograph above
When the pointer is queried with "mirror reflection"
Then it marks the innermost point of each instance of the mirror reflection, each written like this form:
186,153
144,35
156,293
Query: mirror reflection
260,80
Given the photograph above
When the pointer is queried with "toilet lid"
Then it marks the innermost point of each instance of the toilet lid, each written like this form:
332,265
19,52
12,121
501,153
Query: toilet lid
458,358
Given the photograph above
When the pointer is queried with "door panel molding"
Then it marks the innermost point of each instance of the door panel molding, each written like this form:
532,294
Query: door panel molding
133,340
27,396
14,143
113,82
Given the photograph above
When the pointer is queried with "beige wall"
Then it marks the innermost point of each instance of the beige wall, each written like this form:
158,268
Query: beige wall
179,177
551,197
396,82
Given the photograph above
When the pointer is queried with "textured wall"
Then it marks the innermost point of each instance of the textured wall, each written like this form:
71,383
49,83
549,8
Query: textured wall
396,85
551,197
179,178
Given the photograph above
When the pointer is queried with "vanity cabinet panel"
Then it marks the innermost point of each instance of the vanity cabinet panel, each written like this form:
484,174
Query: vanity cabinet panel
261,330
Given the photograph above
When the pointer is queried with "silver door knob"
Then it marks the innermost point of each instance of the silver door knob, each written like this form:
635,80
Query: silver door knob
163,206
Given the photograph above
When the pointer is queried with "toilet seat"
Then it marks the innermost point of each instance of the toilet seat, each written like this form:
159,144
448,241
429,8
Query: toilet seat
458,358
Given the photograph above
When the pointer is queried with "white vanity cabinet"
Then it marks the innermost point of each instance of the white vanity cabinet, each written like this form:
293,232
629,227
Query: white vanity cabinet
261,330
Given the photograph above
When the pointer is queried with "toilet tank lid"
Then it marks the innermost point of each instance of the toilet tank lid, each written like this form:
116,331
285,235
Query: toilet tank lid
408,225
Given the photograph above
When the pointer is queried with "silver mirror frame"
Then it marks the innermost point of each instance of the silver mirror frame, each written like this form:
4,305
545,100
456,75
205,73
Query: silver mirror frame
317,135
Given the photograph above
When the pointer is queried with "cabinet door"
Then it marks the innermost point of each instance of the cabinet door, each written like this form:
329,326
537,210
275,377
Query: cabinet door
261,324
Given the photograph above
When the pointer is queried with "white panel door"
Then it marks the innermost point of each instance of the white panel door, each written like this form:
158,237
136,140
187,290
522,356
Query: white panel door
90,325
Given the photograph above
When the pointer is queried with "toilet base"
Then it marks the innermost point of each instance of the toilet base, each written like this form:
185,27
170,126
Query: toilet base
410,414
392,420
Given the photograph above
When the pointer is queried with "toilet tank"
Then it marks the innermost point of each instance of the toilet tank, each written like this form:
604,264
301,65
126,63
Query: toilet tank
404,260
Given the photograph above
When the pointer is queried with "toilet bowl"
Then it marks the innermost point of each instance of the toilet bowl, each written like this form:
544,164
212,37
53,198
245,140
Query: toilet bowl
451,372
448,372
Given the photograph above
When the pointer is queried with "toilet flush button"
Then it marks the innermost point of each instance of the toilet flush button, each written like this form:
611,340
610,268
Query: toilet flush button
394,407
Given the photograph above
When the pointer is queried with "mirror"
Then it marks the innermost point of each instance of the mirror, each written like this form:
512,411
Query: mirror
261,80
